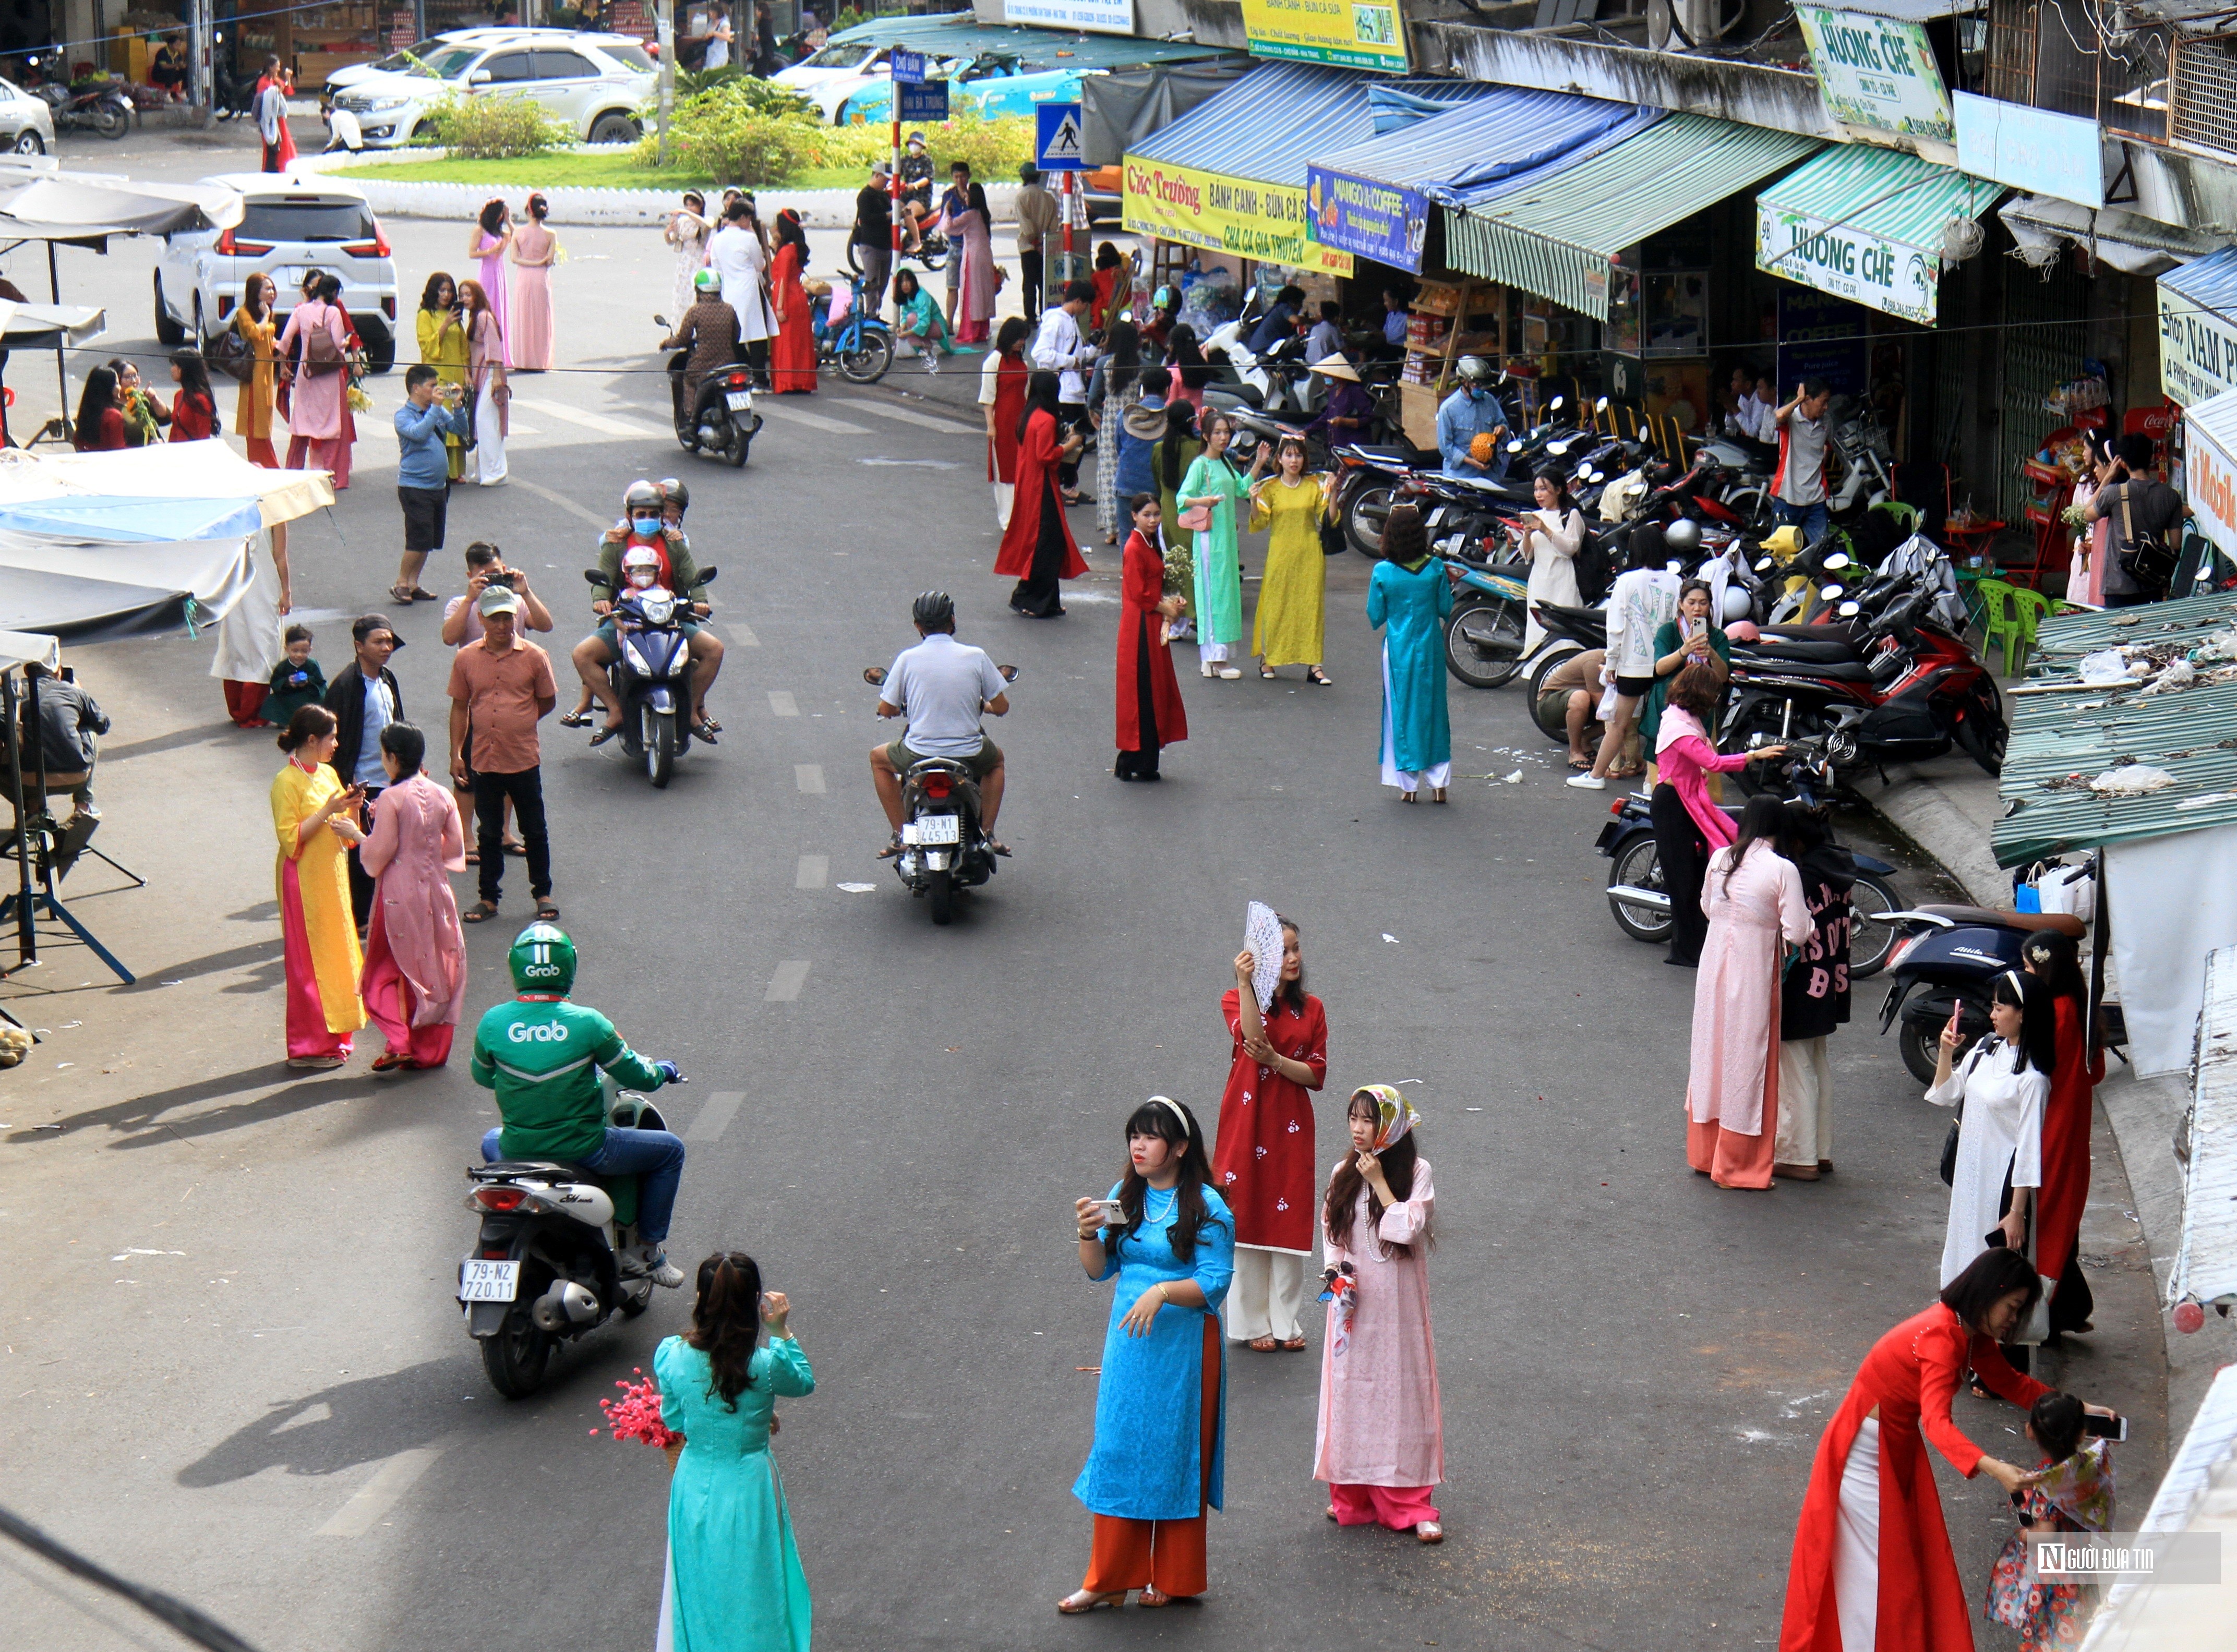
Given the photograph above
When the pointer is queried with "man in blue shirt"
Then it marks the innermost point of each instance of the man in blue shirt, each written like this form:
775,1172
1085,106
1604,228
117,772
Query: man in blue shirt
423,471
364,698
1393,347
1472,411
1278,323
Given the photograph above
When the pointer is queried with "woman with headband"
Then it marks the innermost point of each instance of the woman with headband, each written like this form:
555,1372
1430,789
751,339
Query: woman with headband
1381,1442
1161,1403
2001,1087
2078,1069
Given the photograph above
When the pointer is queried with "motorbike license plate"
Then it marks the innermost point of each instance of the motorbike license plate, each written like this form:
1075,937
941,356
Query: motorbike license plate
938,828
738,400
486,1281
1610,834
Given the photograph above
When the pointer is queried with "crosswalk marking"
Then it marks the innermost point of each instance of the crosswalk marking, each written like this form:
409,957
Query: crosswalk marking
604,424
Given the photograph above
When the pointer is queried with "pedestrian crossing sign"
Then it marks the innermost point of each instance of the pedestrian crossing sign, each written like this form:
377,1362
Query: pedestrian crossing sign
1058,146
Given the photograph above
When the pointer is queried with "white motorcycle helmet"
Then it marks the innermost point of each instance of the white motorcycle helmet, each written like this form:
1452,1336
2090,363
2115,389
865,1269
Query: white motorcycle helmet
1738,603
1684,538
641,569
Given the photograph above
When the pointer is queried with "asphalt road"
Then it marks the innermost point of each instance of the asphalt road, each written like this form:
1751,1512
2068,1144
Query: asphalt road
236,1369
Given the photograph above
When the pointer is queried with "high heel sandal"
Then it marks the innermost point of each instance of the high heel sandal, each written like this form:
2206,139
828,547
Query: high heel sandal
1081,1600
1318,678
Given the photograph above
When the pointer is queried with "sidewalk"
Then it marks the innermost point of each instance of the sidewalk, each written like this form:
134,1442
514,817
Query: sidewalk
1949,808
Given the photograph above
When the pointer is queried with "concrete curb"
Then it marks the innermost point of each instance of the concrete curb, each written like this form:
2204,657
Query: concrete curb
2142,1113
461,202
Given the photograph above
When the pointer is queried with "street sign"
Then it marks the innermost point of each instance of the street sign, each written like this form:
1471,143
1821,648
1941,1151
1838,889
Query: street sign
908,67
927,102
1058,145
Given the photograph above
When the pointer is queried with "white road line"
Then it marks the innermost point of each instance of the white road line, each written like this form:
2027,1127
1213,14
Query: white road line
381,1493
553,496
602,422
808,777
785,984
813,421
782,704
742,633
715,1117
815,872
908,416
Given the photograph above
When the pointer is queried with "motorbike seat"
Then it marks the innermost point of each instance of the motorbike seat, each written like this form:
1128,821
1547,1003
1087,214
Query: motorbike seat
1384,454
1843,632
2057,923
531,1170
1825,670
1786,648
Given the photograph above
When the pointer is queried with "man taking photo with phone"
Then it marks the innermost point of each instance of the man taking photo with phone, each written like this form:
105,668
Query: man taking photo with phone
423,472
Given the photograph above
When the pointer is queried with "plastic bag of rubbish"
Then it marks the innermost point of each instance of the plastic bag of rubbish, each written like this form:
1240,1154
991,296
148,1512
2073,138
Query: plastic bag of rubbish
2180,673
2106,666
2131,779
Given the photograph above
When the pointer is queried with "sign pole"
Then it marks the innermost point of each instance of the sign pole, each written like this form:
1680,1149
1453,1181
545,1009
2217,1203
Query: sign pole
893,187
666,25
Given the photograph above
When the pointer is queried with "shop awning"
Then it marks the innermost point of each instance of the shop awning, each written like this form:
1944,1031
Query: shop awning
2198,328
1375,198
1229,174
2044,226
1556,235
1868,225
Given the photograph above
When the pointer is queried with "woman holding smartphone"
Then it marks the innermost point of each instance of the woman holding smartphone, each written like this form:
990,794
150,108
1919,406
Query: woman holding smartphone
2001,1087
315,818
1161,1404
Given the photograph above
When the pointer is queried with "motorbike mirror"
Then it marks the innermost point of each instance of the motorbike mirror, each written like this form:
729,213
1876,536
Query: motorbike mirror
707,576
1595,477
1554,406
661,321
1600,406
1515,446
875,675
1763,564
1557,449
1009,673
1828,592
594,577
1850,610
1836,562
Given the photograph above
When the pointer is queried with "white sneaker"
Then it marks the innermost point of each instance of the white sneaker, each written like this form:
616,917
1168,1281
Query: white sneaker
1586,782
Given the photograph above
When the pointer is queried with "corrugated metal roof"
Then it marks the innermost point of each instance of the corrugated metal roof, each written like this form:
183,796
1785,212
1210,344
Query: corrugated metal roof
954,35
1489,143
1554,233
1913,10
1885,193
2126,240
2205,1261
1274,120
2191,734
2209,282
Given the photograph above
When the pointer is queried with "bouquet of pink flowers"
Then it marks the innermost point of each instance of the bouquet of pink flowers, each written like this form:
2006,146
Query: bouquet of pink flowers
636,1415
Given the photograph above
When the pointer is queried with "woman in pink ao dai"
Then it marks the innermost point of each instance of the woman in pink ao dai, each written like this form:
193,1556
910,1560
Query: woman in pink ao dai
1381,1442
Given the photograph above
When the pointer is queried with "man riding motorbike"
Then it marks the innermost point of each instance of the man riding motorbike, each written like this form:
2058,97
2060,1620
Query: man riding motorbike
643,526
542,1056
942,686
1472,426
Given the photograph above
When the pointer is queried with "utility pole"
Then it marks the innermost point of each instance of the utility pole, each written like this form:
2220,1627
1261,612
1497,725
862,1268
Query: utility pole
200,77
666,28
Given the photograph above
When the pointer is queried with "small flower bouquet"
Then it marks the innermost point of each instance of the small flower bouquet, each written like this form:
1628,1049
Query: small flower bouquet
636,1415
357,366
1180,570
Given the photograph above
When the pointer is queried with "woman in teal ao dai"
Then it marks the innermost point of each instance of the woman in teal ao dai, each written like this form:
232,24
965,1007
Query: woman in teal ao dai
1409,597
1213,482
1161,1406
733,1579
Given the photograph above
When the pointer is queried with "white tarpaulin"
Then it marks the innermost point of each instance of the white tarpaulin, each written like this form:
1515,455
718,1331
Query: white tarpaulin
2172,900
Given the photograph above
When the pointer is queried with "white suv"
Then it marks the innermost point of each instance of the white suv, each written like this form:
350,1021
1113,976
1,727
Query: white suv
592,83
291,224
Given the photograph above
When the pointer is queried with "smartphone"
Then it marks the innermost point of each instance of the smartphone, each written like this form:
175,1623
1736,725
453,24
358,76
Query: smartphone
2105,1428
1994,1239
1107,1213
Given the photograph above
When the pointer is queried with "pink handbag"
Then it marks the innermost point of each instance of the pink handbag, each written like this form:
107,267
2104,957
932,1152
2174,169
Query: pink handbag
1197,518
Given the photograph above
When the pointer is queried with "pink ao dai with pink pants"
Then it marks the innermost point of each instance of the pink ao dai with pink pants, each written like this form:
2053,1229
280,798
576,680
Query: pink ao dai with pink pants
1731,1096
415,959
1380,1441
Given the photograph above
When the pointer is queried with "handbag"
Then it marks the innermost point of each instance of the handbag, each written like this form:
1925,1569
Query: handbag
231,355
2149,560
1949,1151
1197,518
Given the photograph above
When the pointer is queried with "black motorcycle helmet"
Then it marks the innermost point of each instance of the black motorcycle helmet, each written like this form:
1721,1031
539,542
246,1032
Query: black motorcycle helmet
933,611
677,493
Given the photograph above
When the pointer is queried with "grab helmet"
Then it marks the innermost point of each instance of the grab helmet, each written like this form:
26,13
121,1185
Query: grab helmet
542,960
708,281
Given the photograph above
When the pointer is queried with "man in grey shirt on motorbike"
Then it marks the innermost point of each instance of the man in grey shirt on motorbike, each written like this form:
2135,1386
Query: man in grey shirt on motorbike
943,687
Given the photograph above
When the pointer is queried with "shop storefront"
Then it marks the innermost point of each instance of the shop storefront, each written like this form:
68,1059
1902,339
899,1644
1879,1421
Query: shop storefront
2198,328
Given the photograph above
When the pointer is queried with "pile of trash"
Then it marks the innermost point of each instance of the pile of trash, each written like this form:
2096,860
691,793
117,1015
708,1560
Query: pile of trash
2161,667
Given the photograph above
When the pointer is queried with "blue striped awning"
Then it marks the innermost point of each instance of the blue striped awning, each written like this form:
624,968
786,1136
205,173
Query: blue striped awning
1459,154
2208,282
1271,122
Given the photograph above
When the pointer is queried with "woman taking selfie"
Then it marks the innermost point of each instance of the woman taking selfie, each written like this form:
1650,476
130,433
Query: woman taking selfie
1381,1442
1161,1399
1266,1166
1692,638
1999,1088
315,819
1871,1527
733,1579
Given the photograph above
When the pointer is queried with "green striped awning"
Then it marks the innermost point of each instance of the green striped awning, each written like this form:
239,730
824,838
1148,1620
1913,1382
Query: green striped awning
1555,235
1868,225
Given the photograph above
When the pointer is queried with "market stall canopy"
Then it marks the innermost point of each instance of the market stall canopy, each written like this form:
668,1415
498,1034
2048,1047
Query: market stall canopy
83,210
1229,174
1123,108
137,538
26,325
27,648
1872,226
1375,198
2045,225
1557,233
2198,328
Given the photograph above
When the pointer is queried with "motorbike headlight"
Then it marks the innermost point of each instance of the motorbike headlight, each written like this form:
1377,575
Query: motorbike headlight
658,610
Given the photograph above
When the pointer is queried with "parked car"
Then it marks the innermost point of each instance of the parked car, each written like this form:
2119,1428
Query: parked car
27,125
833,76
398,62
593,84
291,223
992,85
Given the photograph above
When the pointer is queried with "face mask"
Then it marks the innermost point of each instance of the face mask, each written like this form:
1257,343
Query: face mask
647,526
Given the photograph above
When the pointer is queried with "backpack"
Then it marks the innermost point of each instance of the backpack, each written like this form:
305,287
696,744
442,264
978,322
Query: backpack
1595,569
321,355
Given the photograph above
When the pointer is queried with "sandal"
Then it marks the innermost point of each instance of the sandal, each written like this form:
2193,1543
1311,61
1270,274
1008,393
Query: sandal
1158,1597
421,594
1263,1345
891,849
481,912
1408,797
574,719
1266,673
1318,678
546,912
513,846
711,724
391,1061
704,732
1437,796
1081,1601
473,857
603,736
1295,1345
400,595
999,848
1582,765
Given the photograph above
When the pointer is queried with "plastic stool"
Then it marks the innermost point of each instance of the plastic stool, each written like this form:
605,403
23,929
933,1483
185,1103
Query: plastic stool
2009,615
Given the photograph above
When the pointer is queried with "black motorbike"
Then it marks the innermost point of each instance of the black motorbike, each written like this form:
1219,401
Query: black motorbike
1947,958
651,672
1641,903
719,419
931,251
546,1262
944,848
106,109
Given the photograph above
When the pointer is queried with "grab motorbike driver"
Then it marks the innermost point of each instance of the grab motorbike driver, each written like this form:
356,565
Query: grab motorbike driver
542,1056
642,509
943,687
